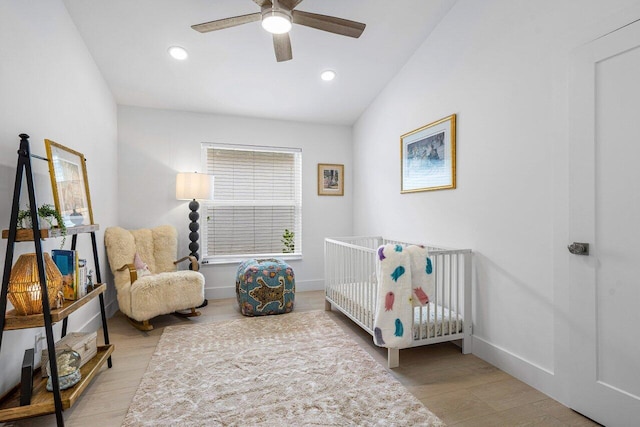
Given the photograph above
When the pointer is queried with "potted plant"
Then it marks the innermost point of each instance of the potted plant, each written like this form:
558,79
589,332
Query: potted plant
47,213
288,241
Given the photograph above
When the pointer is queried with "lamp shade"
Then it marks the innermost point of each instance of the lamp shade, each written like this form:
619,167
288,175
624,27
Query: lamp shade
25,292
193,185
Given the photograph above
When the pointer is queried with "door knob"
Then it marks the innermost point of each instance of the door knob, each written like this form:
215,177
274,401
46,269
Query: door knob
579,248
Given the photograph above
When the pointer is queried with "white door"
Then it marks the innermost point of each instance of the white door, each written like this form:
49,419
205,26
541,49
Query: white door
604,312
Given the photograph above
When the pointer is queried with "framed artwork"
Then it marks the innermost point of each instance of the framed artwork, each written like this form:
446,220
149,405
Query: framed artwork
428,157
330,180
68,172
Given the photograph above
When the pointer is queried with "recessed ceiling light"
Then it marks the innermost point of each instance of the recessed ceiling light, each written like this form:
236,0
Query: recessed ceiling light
328,75
178,53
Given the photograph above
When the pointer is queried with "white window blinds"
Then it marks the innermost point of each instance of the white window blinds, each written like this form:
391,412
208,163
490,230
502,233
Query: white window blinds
257,196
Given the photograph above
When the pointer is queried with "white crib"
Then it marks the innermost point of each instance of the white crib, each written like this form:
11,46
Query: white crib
351,286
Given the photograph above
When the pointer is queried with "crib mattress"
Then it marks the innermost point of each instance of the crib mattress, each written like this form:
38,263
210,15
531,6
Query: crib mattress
429,321
434,320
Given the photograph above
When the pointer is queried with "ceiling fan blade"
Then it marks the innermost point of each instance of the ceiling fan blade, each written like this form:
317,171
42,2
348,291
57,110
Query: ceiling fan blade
282,46
227,22
289,4
262,2
331,24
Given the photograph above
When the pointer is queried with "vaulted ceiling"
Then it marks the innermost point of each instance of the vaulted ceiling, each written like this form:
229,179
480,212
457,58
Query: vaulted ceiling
234,70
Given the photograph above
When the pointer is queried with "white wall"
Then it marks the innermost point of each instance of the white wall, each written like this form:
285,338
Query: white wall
157,144
501,66
51,88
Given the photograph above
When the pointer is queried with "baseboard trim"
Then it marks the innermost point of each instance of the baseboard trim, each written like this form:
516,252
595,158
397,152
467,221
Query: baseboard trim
230,291
95,322
534,375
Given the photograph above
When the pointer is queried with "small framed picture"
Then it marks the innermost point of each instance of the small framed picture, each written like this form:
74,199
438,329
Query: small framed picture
330,180
68,172
428,157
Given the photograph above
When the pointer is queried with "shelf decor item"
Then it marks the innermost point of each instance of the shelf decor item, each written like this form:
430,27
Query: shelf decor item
68,173
25,291
85,344
46,212
67,262
68,369
26,377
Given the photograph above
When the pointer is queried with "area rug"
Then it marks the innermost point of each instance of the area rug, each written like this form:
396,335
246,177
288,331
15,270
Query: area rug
296,369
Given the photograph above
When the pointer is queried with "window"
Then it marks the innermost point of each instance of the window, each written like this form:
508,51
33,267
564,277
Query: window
257,199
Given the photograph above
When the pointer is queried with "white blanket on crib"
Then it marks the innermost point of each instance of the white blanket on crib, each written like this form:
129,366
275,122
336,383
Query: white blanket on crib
405,278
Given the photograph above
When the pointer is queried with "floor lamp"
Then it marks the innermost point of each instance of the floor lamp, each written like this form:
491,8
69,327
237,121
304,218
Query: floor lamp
194,186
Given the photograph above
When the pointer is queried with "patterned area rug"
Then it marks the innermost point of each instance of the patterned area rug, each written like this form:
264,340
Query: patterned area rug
290,369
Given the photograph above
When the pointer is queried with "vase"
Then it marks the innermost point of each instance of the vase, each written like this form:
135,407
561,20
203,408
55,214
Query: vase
76,218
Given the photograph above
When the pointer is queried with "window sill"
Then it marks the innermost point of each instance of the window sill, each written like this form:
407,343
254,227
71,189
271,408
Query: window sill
235,259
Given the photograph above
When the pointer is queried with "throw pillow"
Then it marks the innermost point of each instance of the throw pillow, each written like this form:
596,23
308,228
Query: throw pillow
141,267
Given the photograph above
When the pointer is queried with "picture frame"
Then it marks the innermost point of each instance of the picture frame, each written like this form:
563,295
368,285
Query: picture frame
330,179
68,173
428,157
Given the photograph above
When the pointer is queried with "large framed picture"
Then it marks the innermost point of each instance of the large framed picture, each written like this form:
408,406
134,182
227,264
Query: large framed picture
68,172
428,157
330,180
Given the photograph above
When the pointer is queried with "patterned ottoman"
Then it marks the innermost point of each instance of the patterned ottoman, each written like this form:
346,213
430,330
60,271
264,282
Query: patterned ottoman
265,286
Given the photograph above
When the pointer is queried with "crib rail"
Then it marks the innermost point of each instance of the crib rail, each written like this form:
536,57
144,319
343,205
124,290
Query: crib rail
352,262
351,286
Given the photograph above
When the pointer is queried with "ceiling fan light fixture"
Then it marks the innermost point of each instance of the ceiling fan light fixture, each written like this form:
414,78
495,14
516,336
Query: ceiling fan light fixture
178,53
276,21
328,75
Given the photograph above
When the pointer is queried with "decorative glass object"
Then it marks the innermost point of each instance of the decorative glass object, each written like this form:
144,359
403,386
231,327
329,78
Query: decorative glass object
25,292
68,362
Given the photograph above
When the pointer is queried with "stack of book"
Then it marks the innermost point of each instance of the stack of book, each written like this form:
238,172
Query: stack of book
74,273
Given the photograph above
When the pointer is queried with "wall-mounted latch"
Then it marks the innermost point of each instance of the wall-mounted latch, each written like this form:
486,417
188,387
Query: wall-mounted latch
577,248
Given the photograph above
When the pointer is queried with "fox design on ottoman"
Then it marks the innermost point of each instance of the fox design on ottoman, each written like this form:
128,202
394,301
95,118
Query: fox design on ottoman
265,286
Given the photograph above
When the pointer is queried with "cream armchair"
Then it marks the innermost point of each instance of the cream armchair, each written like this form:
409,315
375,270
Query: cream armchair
161,289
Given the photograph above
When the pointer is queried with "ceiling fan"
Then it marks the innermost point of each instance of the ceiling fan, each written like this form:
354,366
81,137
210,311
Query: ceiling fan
277,17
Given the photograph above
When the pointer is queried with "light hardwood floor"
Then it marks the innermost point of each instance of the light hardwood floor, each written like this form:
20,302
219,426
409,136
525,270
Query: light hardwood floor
462,390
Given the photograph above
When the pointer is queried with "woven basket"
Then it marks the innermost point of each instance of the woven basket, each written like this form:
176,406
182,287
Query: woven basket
25,292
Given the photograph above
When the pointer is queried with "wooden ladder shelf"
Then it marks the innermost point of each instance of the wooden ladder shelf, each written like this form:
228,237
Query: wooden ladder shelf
42,401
